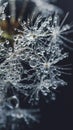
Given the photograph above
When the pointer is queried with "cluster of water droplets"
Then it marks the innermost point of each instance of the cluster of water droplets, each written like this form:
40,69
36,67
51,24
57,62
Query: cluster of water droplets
41,47
10,73
31,65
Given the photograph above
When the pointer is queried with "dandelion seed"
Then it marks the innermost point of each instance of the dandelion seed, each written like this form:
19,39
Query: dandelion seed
47,73
58,31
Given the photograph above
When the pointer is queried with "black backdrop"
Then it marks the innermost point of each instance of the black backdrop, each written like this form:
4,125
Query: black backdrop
58,114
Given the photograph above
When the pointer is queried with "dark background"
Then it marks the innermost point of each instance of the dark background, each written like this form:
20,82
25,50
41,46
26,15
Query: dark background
58,114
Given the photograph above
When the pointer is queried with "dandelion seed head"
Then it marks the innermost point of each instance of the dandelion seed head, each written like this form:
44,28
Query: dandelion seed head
30,55
43,62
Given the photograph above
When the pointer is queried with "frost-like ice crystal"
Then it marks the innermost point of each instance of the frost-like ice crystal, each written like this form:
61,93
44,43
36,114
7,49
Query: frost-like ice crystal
30,62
